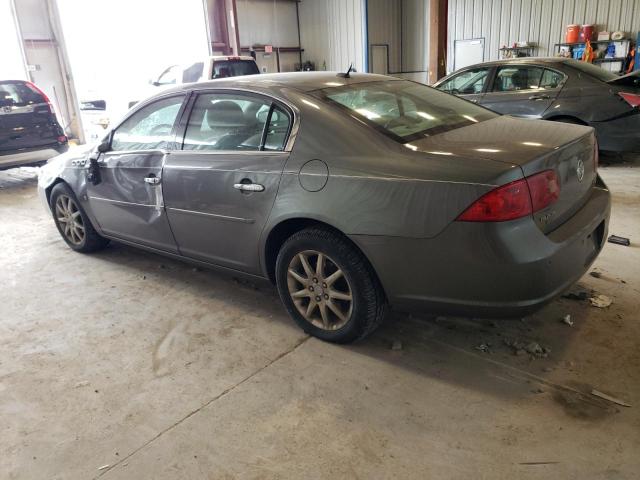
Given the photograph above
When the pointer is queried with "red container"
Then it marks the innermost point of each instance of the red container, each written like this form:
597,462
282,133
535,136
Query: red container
587,32
573,33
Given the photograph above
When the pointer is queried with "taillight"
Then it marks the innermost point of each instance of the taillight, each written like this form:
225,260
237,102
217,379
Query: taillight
507,202
42,94
62,139
515,200
544,189
631,98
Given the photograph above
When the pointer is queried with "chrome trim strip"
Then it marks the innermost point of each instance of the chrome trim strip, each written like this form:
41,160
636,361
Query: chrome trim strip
121,202
211,169
214,215
256,153
390,179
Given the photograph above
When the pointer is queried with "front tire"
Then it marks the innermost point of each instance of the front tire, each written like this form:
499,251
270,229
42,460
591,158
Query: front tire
72,222
328,286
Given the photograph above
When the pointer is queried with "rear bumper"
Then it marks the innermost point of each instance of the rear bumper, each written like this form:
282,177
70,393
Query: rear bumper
620,135
31,155
507,269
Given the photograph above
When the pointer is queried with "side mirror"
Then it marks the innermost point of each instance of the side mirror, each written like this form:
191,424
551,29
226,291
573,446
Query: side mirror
93,174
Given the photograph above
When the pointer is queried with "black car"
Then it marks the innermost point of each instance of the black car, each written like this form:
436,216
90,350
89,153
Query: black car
557,89
29,130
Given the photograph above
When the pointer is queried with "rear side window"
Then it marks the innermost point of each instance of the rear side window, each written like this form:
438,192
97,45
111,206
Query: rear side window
234,68
222,121
551,79
149,128
19,94
514,78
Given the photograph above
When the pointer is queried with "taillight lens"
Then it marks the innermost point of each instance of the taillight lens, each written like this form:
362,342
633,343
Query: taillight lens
507,202
515,200
631,98
544,189
41,93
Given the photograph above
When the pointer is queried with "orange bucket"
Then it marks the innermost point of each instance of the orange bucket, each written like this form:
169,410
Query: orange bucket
573,33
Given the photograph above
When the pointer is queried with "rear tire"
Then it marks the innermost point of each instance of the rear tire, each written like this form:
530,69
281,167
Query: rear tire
72,222
338,301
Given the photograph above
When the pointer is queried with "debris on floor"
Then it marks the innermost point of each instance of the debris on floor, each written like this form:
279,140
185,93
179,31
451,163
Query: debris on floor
615,400
595,274
104,467
567,320
619,240
600,301
484,347
580,295
396,345
533,348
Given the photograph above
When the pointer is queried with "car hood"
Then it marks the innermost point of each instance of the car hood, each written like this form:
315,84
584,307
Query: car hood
504,139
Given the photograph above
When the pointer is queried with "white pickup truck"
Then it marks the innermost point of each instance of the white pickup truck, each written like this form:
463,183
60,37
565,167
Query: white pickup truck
220,66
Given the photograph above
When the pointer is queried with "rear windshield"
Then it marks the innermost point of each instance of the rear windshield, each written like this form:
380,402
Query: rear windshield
234,68
592,70
404,110
19,94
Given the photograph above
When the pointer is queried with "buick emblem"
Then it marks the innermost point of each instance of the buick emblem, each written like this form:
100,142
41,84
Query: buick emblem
580,170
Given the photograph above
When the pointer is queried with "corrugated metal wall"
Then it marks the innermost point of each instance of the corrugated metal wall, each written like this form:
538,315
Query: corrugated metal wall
543,22
333,32
385,28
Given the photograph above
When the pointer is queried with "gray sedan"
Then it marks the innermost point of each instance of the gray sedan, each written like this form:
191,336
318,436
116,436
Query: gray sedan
350,193
557,89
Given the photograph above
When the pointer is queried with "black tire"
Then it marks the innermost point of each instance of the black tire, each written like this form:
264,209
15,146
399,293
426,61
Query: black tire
91,241
368,302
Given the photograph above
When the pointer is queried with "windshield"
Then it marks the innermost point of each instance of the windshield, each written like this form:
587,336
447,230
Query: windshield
234,68
19,94
404,110
592,70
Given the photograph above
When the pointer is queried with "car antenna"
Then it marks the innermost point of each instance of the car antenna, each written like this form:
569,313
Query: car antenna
349,70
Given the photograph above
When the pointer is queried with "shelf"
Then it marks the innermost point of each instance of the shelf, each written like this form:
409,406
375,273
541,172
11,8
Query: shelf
609,60
591,41
530,47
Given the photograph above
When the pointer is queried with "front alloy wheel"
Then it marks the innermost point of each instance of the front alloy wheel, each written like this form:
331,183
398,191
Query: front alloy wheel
70,219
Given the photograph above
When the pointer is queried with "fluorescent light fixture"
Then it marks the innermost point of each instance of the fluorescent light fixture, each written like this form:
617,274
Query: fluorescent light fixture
367,113
311,104
440,153
411,147
425,115
470,118
488,150
532,144
333,84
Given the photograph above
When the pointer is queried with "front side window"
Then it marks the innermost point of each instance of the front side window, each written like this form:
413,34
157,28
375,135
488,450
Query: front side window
515,78
404,110
221,121
149,128
467,82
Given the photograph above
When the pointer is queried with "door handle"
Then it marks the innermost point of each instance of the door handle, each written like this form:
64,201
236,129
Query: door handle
152,180
249,187
539,97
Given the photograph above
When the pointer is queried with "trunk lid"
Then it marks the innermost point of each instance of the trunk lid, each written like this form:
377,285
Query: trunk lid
629,80
534,146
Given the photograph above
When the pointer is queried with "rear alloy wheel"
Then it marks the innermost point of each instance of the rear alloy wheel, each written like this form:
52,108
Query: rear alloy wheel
328,286
321,293
73,224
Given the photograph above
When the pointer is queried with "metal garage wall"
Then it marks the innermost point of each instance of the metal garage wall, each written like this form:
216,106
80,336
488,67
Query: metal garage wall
384,24
543,22
265,22
332,31
403,25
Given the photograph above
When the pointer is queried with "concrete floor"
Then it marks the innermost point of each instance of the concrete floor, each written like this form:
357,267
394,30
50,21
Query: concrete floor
126,365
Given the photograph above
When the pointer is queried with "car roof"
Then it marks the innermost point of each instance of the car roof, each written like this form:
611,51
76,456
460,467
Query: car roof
303,81
519,60
231,57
